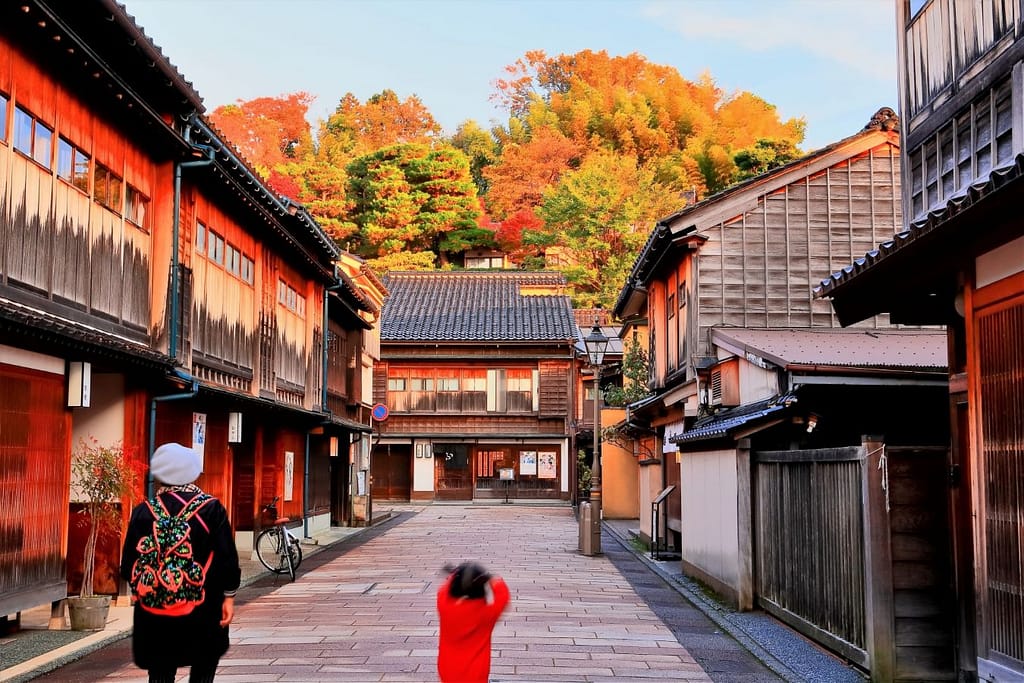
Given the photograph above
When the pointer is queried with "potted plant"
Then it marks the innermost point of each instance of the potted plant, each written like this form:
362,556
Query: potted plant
102,475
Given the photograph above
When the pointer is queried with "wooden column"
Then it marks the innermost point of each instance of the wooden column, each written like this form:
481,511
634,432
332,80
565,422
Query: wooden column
744,527
878,580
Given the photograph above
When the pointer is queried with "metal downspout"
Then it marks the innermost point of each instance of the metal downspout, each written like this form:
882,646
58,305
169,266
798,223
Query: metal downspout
152,419
172,344
305,492
323,402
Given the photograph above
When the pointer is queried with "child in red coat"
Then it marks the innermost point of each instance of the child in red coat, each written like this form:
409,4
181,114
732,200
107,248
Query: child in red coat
469,604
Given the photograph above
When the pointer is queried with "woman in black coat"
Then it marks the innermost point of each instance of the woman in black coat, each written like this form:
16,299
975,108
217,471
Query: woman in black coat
161,643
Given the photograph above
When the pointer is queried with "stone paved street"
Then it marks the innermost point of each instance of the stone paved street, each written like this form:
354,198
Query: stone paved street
364,610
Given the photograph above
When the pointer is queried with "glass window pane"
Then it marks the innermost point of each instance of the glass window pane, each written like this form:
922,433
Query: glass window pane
100,189
42,145
200,238
22,131
3,118
81,171
65,158
114,193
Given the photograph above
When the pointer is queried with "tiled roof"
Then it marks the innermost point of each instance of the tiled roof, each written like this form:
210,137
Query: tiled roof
838,348
476,306
160,61
932,223
726,422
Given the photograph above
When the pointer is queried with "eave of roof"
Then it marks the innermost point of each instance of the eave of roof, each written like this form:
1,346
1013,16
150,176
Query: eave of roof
726,423
890,258
156,55
839,350
35,322
289,219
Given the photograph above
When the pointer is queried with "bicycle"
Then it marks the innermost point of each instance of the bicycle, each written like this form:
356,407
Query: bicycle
276,547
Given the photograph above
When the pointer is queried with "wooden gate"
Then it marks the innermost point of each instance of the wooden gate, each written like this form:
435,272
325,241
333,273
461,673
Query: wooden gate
851,548
809,544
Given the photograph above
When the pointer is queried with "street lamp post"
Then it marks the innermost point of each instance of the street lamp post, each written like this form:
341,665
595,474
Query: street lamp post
596,343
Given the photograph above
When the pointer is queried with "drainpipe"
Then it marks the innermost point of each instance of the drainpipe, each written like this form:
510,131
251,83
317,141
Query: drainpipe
327,291
152,418
305,492
172,344
323,400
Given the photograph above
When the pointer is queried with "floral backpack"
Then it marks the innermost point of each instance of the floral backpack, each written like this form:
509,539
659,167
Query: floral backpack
166,579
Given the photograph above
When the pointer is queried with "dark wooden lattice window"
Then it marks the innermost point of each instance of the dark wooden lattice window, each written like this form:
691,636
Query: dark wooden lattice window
1001,372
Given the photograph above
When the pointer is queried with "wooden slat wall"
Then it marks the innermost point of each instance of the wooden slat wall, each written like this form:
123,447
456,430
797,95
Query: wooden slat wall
291,349
35,473
758,269
1001,372
938,56
809,543
554,388
224,307
57,240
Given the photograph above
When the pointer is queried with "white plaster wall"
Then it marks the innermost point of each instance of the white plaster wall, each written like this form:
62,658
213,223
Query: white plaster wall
103,420
31,360
999,263
650,486
422,469
708,481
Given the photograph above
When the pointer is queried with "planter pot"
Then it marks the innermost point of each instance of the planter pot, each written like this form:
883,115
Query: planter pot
89,614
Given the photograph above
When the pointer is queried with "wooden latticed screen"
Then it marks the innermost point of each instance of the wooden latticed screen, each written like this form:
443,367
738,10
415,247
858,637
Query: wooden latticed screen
1001,373
34,488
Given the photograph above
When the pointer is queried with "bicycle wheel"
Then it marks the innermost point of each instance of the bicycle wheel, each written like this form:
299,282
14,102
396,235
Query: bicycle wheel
294,552
268,550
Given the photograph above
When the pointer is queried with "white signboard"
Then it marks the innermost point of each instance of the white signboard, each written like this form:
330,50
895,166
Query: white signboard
199,435
528,463
289,474
672,430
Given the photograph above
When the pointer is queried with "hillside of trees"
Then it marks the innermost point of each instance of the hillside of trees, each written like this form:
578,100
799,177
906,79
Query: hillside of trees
596,149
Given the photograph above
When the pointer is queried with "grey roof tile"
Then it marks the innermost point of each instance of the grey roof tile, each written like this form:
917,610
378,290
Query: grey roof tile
464,306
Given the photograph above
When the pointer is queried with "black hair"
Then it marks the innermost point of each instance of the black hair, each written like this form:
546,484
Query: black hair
468,581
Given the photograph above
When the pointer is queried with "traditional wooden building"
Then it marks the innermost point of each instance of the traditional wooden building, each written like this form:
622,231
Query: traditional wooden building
958,260
754,383
151,289
747,257
476,373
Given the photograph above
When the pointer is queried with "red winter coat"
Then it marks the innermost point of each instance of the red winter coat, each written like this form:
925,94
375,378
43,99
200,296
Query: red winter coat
464,653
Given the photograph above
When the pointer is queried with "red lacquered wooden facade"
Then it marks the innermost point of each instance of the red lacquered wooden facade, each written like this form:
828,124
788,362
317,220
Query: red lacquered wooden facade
173,318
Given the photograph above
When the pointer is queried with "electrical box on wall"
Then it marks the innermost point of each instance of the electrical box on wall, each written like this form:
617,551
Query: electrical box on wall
79,385
234,428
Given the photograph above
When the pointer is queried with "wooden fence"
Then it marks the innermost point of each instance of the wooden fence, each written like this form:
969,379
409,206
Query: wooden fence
851,548
809,544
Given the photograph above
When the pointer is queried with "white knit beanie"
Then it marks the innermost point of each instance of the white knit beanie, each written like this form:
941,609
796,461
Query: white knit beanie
175,465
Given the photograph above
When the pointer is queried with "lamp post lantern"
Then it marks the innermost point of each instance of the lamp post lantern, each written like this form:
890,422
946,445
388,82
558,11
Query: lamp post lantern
596,343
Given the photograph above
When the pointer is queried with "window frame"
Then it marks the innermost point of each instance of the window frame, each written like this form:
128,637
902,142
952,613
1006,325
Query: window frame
74,177
134,203
33,150
103,179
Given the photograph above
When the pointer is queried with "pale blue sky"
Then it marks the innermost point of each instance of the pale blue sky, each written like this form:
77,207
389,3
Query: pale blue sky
830,61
